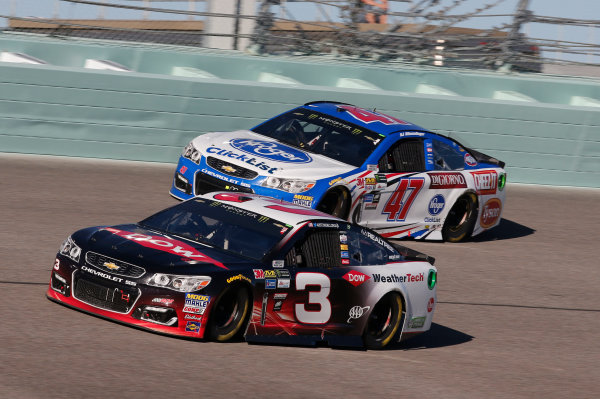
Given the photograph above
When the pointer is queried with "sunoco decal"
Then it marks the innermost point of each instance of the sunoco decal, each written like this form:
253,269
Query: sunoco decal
192,326
270,150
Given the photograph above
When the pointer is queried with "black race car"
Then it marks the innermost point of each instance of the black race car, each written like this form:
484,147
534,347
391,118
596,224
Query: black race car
226,264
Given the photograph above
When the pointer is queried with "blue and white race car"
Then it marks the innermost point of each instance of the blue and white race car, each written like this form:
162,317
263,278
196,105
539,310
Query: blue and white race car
364,166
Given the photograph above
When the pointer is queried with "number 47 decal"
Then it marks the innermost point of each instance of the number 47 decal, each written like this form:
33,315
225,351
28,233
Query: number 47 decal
401,200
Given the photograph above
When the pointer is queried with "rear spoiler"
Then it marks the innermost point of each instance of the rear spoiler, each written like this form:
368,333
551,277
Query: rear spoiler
411,254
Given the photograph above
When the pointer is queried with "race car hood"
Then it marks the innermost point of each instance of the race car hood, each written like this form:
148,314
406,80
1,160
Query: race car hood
155,251
267,156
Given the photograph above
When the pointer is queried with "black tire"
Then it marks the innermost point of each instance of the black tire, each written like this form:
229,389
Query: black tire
384,322
336,203
461,219
229,314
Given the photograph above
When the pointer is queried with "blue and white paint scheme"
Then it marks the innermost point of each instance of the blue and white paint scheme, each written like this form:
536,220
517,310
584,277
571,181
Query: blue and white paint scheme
365,166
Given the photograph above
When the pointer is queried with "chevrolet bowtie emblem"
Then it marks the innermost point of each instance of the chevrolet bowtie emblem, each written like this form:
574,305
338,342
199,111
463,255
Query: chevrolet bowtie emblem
110,265
228,168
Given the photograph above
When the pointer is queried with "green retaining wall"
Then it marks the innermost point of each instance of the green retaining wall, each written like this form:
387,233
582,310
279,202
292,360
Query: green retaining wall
546,128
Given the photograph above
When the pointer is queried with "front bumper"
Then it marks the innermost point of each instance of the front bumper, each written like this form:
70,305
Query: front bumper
192,179
151,308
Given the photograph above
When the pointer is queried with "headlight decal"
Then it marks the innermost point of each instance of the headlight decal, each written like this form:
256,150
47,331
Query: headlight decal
289,185
192,153
179,283
71,250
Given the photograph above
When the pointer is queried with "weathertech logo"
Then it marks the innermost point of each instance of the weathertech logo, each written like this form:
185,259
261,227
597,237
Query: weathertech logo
447,180
394,278
355,278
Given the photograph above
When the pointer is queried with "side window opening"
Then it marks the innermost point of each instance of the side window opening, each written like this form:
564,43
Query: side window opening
406,156
319,249
446,157
365,251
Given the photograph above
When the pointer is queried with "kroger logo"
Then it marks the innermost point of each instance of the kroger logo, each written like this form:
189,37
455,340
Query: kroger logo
436,204
270,150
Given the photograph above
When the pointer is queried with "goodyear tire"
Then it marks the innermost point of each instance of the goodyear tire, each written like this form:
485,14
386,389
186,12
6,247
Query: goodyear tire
335,203
230,314
461,219
384,320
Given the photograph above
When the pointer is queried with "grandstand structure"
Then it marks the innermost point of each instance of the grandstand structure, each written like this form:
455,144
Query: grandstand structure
425,32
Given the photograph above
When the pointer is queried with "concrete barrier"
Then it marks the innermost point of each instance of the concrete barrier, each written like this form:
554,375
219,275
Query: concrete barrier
546,128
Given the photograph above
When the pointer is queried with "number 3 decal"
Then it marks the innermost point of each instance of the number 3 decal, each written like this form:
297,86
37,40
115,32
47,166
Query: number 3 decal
322,315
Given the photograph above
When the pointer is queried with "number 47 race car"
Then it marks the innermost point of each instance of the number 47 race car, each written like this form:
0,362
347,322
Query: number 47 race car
225,264
359,165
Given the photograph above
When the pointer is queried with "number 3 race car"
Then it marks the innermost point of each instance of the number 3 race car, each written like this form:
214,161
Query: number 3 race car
375,170
223,264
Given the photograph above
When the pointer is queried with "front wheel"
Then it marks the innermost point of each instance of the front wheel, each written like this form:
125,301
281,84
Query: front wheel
384,322
461,219
229,314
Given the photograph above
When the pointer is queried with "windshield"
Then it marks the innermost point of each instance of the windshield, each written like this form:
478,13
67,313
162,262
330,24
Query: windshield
221,226
322,134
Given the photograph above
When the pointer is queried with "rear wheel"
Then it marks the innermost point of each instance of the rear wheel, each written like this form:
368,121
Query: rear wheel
229,314
384,322
461,219
336,203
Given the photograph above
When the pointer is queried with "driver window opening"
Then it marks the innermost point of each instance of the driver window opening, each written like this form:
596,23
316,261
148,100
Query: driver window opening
406,156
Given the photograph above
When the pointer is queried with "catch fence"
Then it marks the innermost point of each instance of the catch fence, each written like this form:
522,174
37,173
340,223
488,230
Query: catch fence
429,32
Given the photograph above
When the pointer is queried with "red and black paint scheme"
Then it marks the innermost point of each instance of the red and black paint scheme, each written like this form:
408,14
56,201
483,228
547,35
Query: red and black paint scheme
226,264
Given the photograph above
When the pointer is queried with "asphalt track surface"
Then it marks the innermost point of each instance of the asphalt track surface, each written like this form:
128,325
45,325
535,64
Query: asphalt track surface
518,313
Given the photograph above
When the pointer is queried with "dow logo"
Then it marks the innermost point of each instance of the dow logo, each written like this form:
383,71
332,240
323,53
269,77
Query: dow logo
270,150
355,278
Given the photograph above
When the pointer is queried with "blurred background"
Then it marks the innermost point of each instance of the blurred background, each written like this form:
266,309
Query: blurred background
520,35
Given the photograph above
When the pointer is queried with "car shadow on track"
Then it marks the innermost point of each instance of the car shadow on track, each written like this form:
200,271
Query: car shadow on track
437,337
506,230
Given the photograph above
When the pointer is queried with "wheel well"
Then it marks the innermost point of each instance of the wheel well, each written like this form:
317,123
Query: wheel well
474,194
231,287
232,326
402,300
466,194
389,339
327,205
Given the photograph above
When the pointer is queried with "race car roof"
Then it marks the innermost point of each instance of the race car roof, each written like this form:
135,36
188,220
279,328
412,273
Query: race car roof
282,211
369,119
